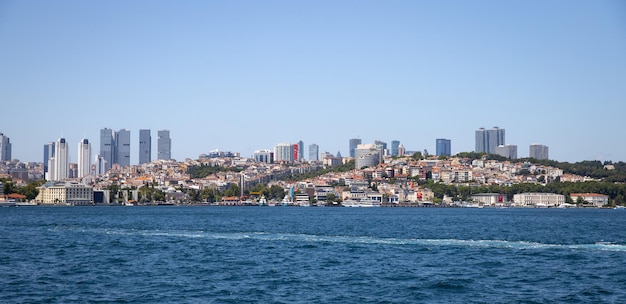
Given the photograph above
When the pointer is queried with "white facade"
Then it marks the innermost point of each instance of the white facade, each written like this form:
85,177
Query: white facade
263,156
69,193
283,152
367,155
84,158
596,199
538,199
61,160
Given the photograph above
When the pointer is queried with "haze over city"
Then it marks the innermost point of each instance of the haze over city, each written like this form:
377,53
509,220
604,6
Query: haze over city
244,76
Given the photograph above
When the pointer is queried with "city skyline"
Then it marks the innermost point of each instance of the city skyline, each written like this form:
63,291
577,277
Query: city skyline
234,77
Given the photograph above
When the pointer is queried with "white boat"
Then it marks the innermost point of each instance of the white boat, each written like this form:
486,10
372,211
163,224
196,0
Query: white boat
361,203
262,201
619,207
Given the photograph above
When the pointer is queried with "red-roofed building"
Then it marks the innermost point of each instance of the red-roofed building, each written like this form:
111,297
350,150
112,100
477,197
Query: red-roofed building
596,199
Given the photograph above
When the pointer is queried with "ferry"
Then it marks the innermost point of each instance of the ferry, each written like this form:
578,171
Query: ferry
361,203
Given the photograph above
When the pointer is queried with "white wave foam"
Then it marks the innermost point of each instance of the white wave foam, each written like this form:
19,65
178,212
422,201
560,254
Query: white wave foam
309,238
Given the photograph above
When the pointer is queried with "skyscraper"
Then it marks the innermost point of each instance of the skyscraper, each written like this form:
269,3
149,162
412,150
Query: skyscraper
353,144
394,147
538,151
107,147
488,140
145,146
5,148
300,150
84,158
444,147
164,145
48,153
314,152
382,146
122,148
61,160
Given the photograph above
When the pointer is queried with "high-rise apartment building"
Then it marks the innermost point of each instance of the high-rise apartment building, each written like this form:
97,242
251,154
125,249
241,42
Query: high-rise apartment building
164,145
61,160
314,152
84,158
488,140
508,151
145,146
48,152
394,147
107,147
538,151
122,147
5,148
283,152
444,147
354,142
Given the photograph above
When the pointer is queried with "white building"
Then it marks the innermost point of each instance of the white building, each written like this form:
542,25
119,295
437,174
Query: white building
284,152
84,158
367,155
489,199
60,161
529,199
65,193
596,199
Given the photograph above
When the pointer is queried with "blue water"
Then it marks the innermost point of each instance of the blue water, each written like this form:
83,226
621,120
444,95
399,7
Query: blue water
311,255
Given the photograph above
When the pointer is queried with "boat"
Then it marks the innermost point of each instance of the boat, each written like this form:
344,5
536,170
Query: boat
619,207
262,201
361,203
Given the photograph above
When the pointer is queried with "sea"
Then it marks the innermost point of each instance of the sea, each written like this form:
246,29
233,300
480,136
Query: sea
175,254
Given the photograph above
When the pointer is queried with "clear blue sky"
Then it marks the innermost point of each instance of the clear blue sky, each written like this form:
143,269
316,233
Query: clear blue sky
246,75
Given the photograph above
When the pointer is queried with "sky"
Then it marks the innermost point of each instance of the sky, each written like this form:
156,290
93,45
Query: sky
246,75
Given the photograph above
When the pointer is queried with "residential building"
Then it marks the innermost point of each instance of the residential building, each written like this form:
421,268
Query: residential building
488,140
538,151
61,160
354,142
65,193
508,151
122,147
367,155
164,145
283,152
84,158
595,199
5,148
394,147
314,152
538,199
145,146
444,147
